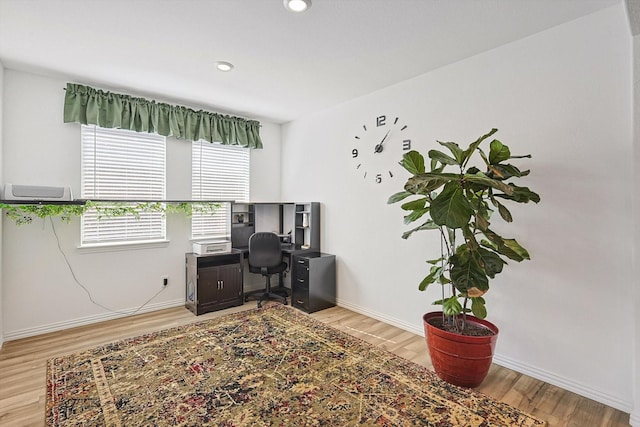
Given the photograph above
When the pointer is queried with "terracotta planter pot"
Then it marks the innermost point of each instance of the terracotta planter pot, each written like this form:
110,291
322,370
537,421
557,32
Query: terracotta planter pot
458,359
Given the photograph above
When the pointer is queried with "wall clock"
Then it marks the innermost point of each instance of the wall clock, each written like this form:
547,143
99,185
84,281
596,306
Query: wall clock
379,146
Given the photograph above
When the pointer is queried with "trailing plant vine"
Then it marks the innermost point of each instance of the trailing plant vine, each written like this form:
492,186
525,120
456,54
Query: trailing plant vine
24,214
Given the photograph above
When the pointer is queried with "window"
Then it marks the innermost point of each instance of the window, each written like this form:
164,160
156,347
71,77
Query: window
122,165
218,172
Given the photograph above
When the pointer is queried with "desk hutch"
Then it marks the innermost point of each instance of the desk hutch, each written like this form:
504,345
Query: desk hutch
214,281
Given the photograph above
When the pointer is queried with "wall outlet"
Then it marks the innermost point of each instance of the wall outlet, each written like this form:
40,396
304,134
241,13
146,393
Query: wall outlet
165,281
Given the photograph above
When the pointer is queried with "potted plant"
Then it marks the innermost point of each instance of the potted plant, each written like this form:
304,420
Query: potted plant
459,205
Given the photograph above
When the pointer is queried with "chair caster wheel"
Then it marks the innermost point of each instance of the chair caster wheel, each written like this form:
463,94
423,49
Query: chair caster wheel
259,305
285,301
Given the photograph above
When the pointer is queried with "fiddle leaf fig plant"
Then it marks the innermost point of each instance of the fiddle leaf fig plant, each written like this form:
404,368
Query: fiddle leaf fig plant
459,205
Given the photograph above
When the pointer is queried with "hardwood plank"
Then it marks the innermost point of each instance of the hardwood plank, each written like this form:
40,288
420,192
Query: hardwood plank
23,366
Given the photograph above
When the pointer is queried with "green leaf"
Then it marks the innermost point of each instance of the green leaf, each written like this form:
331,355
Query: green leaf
451,306
511,250
429,225
451,207
427,182
434,275
478,308
504,212
490,262
470,239
394,198
483,180
441,157
415,204
473,170
515,247
520,195
472,147
414,215
482,214
413,162
426,282
467,274
499,152
504,172
455,149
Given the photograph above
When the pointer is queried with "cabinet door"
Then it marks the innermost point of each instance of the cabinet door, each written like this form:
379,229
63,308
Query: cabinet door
231,283
208,285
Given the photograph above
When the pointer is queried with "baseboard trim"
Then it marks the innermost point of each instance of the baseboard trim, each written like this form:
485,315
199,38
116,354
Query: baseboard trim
634,419
532,371
83,321
380,316
564,383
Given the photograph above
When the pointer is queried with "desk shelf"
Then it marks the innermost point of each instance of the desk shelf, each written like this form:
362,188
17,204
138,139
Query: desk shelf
307,224
300,219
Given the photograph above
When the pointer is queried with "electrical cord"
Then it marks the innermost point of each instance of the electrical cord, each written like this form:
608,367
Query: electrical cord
75,278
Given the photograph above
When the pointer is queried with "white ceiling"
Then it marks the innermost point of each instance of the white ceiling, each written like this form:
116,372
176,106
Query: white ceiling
286,65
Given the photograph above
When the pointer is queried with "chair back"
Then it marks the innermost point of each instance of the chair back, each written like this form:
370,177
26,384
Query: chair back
264,250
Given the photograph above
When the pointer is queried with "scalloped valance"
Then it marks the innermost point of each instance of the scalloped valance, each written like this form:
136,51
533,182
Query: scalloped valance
86,105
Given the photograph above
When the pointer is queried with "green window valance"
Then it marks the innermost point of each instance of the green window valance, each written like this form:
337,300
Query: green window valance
86,105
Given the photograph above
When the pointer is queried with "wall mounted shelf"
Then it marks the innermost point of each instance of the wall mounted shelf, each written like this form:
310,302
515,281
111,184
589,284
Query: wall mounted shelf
84,201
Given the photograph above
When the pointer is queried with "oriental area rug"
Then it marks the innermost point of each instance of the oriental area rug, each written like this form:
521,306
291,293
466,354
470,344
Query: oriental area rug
272,366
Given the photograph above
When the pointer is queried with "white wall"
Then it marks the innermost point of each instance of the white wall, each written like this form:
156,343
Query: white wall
635,415
562,95
635,25
1,181
40,293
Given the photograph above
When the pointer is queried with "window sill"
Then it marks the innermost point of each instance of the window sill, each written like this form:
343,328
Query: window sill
122,246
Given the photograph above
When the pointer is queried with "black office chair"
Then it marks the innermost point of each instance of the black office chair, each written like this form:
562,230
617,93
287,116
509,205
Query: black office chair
265,257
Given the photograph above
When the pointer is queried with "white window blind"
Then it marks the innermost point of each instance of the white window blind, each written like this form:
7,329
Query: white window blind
218,172
122,165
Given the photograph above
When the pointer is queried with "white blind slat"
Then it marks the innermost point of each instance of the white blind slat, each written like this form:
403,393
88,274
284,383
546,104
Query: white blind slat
122,164
217,172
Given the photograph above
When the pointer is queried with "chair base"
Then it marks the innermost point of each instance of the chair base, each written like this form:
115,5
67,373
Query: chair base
265,295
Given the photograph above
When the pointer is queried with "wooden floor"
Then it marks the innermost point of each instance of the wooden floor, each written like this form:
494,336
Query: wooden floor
22,367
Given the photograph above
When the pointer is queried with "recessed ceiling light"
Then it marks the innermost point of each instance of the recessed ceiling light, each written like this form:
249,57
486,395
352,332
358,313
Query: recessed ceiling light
296,5
224,66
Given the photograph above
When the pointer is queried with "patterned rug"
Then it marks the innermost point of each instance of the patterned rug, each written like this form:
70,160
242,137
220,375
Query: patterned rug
264,367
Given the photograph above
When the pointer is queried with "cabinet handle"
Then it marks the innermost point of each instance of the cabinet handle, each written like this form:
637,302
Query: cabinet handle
300,261
221,284
299,301
301,280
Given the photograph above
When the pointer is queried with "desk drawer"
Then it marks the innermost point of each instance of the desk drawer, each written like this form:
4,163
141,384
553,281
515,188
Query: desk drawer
301,261
300,274
313,281
300,298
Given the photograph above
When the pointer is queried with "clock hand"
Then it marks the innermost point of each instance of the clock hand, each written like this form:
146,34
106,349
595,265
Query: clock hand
378,148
